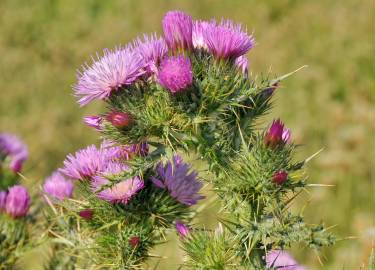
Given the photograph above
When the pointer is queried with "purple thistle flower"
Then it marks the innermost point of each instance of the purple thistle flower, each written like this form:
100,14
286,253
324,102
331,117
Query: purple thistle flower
18,201
120,192
227,40
277,134
58,187
3,200
115,69
199,28
182,229
153,50
175,74
282,260
176,177
93,121
177,27
242,63
12,146
85,163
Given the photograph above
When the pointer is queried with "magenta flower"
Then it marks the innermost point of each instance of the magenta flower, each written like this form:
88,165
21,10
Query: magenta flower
175,74
277,134
124,152
85,163
280,177
93,121
18,201
3,200
199,28
119,119
227,40
242,64
182,229
282,260
120,192
153,50
12,146
134,241
177,27
115,69
175,176
58,186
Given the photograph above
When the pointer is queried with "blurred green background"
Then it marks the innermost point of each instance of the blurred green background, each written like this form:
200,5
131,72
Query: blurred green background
329,105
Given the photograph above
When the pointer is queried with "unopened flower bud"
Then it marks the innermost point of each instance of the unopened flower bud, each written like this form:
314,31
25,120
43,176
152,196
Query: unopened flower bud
120,119
280,177
17,202
86,214
182,229
134,241
277,134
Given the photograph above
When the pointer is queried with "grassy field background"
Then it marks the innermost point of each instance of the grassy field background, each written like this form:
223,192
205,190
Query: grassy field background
330,104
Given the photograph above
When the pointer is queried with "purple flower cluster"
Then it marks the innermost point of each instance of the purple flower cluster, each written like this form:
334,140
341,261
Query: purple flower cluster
11,146
148,56
58,186
175,74
175,176
277,134
15,202
282,260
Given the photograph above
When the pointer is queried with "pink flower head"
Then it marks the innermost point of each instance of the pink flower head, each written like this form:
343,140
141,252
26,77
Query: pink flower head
120,192
58,186
242,64
280,177
282,260
153,50
119,119
182,229
199,28
227,40
176,177
115,69
3,200
277,134
177,27
85,163
12,146
175,74
93,121
18,201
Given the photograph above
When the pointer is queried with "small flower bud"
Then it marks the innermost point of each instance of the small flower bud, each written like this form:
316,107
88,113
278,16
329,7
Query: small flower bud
18,201
277,134
134,241
119,119
86,214
280,177
182,229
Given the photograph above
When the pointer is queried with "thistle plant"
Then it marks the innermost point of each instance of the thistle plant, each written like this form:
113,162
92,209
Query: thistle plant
188,94
14,202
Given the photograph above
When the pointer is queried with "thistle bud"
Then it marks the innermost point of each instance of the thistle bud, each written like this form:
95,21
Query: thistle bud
134,241
182,229
277,134
17,202
280,177
119,119
178,28
86,214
